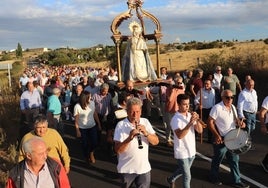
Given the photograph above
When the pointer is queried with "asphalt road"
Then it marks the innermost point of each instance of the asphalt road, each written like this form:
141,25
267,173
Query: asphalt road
103,173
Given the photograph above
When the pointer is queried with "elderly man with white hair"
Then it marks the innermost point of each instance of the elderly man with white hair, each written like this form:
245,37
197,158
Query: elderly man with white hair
54,110
37,169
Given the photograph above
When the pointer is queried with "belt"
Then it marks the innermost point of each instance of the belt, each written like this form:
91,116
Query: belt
248,112
206,108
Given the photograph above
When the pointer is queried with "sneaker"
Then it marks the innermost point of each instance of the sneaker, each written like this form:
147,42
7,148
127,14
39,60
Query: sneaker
264,166
241,185
170,183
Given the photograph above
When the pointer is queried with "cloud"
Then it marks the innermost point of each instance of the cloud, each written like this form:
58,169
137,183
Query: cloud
84,23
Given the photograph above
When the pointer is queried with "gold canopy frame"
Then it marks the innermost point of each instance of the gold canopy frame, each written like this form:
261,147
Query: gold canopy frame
136,7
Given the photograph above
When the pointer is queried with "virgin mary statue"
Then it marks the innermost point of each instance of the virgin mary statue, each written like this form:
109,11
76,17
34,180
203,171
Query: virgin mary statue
136,63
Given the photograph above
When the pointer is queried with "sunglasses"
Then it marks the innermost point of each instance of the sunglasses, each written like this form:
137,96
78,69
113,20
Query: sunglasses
229,97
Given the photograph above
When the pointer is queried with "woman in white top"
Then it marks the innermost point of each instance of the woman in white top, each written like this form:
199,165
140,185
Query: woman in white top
85,123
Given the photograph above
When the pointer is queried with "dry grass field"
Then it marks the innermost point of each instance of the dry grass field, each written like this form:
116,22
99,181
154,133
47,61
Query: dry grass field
181,60
176,60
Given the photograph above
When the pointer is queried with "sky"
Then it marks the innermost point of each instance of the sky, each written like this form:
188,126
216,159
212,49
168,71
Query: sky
86,23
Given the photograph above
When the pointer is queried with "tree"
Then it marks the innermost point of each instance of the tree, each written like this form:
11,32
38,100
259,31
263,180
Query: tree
19,51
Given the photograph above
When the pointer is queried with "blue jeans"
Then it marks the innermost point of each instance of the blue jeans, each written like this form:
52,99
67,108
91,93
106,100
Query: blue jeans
140,180
233,159
184,170
89,140
250,121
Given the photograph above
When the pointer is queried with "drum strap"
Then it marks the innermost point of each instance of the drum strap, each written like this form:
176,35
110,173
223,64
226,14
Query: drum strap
236,120
234,114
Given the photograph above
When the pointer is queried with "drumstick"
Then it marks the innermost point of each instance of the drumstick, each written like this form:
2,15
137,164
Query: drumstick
238,132
240,122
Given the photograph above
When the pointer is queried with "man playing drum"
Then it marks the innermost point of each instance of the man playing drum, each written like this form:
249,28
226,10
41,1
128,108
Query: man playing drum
222,119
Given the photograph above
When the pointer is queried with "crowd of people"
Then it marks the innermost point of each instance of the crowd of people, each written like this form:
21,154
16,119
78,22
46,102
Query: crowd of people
92,100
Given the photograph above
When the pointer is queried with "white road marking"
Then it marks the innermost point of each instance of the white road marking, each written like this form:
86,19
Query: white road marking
160,133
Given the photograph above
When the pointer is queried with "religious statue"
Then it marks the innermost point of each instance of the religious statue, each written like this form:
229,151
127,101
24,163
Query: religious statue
136,63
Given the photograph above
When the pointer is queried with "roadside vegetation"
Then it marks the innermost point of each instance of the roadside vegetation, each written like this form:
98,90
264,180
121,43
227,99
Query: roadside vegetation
250,57
9,120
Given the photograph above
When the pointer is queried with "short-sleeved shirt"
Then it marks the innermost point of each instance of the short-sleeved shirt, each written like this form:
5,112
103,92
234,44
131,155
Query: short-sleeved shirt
86,116
23,80
186,147
54,105
224,118
133,160
230,82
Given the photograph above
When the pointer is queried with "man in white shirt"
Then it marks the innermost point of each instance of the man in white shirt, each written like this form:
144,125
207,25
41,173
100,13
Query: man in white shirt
184,124
204,101
22,82
247,105
222,119
216,83
132,137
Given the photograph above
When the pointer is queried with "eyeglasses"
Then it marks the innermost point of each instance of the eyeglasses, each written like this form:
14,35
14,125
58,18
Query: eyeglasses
229,97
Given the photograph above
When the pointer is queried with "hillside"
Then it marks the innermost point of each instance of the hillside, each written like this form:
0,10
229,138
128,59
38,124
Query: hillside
177,60
181,60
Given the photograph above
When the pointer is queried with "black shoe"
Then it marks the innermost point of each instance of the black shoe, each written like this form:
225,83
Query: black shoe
170,183
241,185
264,166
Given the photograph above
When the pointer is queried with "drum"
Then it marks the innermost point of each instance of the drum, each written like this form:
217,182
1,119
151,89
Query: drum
237,141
